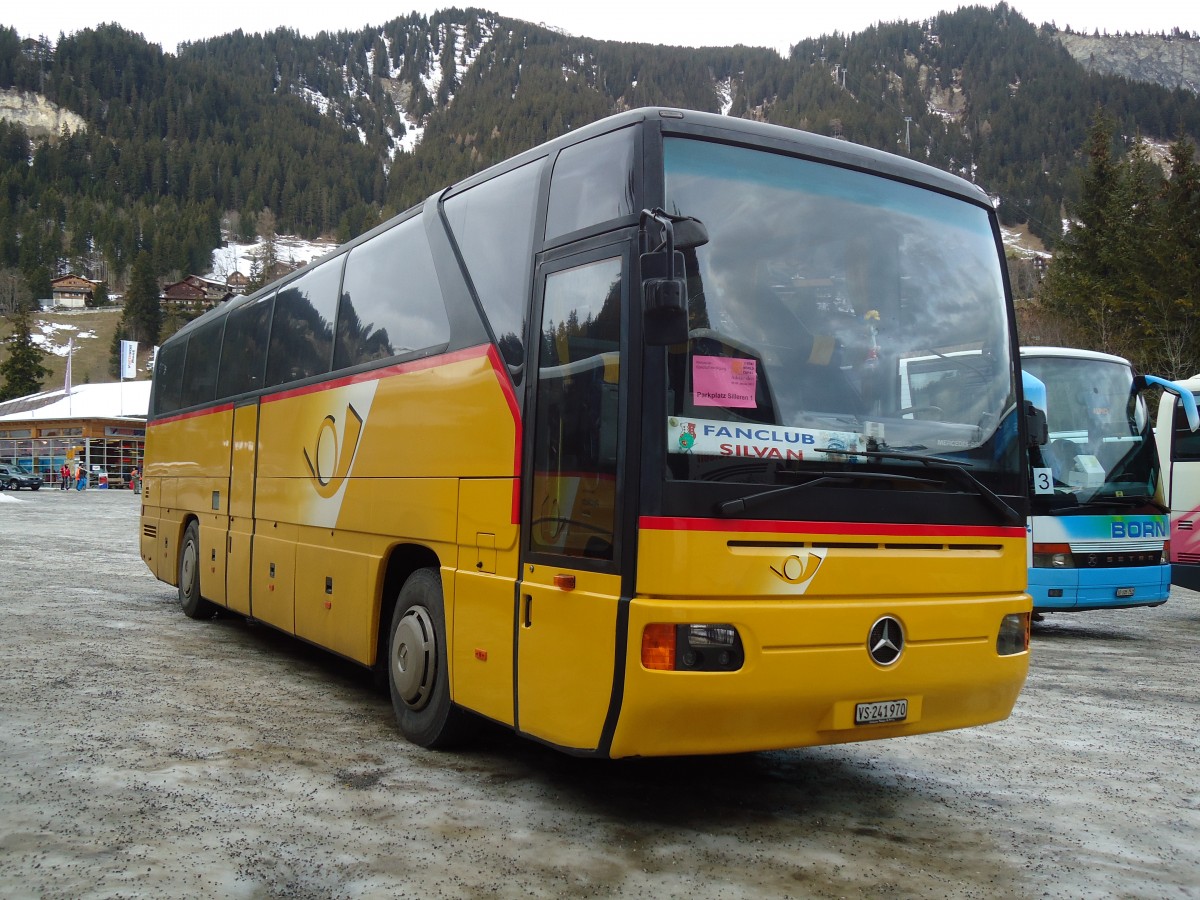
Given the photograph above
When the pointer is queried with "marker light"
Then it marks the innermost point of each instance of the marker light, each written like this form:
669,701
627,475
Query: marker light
1014,634
692,648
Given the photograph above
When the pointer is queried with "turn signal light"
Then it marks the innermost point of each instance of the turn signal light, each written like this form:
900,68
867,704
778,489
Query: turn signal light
658,646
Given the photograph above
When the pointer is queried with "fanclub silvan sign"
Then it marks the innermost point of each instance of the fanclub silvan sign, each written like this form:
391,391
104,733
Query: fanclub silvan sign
711,437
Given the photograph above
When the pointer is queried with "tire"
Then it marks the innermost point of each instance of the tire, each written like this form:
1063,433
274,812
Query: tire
34,487
418,678
193,605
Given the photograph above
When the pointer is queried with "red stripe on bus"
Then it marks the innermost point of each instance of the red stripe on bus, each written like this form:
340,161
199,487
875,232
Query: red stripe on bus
212,410
671,523
510,397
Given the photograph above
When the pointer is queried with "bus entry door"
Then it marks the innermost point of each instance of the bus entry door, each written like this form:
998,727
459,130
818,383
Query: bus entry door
570,591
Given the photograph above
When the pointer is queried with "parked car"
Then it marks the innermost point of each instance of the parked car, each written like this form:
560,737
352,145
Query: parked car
14,477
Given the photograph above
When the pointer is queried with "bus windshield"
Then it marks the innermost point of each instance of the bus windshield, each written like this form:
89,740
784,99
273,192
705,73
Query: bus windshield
817,287
1099,447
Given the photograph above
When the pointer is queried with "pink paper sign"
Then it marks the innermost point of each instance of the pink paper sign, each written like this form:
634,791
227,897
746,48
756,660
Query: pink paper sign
721,381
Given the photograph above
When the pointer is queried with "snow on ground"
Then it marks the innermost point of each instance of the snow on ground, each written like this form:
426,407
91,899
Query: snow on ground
1012,241
105,400
237,257
48,339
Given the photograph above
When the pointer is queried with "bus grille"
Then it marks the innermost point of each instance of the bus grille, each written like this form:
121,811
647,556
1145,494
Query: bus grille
150,531
1117,560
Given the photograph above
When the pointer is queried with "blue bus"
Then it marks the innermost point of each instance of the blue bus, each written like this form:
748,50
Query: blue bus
1099,530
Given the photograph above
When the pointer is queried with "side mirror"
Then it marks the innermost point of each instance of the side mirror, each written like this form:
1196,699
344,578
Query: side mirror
1186,399
690,233
664,284
1035,425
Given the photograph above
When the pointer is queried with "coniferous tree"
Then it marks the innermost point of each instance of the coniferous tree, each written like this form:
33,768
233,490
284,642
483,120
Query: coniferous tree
1087,282
142,319
22,369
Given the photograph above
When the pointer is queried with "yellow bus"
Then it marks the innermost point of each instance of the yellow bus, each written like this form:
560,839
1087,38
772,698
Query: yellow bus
606,444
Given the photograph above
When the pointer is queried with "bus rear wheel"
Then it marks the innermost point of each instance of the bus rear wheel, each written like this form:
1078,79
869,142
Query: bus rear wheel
417,671
193,605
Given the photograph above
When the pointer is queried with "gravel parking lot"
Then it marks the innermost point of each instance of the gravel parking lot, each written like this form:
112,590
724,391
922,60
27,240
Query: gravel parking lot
143,754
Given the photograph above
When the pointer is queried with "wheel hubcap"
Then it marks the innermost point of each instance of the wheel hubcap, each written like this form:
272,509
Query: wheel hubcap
414,658
187,568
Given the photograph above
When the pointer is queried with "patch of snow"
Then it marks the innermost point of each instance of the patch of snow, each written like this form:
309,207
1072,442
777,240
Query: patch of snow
725,95
1012,241
48,341
322,103
237,257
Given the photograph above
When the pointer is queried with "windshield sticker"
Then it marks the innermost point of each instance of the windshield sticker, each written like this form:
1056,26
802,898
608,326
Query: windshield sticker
724,381
709,437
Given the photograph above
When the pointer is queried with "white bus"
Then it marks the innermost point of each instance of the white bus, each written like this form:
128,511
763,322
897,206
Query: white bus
1179,457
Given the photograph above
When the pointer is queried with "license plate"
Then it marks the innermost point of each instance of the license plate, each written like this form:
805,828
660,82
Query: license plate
1124,592
883,711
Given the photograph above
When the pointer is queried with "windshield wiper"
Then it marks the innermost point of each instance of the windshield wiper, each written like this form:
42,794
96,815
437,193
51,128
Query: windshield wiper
958,470
1113,500
741,504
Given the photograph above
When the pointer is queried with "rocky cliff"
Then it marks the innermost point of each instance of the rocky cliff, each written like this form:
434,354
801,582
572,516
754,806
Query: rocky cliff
39,116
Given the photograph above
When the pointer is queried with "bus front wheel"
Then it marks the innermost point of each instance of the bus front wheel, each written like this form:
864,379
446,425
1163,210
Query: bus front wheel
193,605
417,671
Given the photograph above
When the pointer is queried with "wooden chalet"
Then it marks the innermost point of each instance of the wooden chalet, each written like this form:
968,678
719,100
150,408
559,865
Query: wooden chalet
72,291
195,292
237,283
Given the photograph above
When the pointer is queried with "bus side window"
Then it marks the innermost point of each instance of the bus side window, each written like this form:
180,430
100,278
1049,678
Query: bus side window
168,377
492,224
1186,444
302,325
244,350
201,364
593,182
391,302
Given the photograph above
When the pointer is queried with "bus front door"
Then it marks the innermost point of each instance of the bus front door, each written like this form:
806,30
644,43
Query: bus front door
570,589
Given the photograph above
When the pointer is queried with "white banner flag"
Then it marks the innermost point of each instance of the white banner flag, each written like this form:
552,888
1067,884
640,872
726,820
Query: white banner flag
129,359
70,353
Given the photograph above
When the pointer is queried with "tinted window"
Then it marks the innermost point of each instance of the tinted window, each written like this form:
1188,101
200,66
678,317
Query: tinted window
575,439
592,183
1187,442
302,325
168,377
493,224
244,357
391,301
200,365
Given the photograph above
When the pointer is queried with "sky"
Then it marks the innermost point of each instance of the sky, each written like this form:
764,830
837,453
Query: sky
758,23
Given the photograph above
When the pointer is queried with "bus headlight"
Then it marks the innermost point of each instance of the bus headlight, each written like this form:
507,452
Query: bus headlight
1014,634
1053,556
692,648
